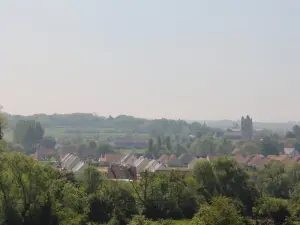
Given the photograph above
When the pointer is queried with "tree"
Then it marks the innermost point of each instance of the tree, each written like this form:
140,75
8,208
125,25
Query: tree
290,134
29,134
250,148
273,180
203,146
206,178
221,211
140,220
32,194
296,132
270,147
274,209
104,148
158,143
225,177
3,124
167,141
92,180
48,142
224,147
150,145
295,201
92,145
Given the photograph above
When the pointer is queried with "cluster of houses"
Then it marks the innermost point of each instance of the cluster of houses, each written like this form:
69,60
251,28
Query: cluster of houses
258,161
132,166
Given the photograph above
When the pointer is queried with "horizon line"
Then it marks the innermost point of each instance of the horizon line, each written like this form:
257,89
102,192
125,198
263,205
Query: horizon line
156,118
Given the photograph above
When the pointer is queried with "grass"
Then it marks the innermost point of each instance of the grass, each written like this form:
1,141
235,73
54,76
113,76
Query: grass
102,134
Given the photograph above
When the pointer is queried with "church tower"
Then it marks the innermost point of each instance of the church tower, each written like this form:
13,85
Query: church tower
246,128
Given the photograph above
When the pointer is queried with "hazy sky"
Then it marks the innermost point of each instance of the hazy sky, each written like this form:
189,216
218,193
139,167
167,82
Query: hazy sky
158,58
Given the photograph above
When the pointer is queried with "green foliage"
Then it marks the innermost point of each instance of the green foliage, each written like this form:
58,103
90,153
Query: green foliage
140,220
217,192
209,146
48,142
225,177
29,134
221,211
204,146
224,147
270,147
250,148
272,208
34,194
3,124
92,180
273,180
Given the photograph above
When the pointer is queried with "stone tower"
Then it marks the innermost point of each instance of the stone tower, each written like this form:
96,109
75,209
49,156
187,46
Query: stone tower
246,128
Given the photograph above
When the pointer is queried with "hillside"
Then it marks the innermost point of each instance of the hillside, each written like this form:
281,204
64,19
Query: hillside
89,124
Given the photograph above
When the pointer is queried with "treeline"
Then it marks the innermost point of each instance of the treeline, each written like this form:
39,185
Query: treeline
120,123
214,193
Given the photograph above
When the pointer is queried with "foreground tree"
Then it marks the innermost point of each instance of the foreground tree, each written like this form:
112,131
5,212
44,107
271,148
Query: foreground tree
3,124
273,209
225,177
221,211
273,181
32,194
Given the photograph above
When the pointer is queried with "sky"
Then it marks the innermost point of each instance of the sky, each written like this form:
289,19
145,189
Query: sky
196,60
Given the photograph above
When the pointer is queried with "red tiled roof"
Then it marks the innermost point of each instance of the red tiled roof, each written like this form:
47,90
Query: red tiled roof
278,157
248,158
239,158
110,158
295,159
45,152
258,161
67,150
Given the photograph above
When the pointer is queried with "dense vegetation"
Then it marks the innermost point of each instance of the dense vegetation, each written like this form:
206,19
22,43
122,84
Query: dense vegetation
74,123
217,192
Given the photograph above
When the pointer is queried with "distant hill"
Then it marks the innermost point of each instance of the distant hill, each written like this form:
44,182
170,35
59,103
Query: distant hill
90,123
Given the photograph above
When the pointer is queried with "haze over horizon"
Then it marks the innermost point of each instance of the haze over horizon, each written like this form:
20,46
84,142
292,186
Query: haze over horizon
196,60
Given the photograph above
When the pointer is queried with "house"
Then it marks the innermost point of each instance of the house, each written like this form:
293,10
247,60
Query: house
141,163
122,172
152,166
258,161
128,159
291,152
183,160
110,157
63,151
165,158
295,159
281,158
145,155
46,154
73,163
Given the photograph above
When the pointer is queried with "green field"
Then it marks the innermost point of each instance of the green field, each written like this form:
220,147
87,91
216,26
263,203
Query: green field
95,134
